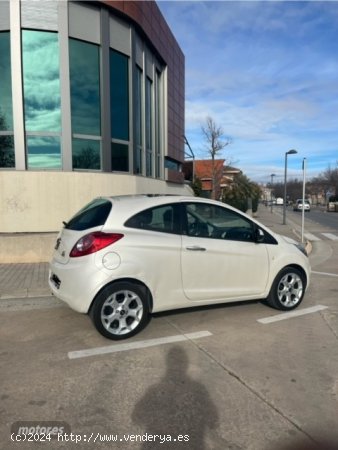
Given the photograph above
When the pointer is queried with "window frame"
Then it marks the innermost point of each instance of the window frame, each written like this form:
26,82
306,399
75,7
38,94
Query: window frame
220,233
176,219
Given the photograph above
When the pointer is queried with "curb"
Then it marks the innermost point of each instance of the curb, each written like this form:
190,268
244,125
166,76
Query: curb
25,293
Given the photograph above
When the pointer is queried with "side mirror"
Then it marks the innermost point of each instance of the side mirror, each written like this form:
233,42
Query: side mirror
259,235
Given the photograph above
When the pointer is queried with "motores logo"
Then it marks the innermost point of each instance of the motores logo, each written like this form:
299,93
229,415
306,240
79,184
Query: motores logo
43,428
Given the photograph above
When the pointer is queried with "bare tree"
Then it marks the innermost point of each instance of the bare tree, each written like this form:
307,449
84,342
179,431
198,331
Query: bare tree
215,144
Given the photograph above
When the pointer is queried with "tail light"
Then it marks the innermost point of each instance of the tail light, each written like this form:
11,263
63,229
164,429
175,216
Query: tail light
93,242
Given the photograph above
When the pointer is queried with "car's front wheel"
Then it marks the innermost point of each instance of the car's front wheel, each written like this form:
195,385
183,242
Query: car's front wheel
287,290
120,310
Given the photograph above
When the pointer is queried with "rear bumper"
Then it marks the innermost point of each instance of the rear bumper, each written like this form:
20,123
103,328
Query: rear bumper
75,285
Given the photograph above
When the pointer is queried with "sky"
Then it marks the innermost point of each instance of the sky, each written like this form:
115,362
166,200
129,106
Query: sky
267,73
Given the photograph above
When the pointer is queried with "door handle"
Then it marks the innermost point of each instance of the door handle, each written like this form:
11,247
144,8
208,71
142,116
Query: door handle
196,248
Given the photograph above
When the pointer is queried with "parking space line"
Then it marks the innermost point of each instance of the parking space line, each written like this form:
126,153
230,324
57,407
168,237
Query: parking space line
331,236
311,237
137,345
288,315
325,273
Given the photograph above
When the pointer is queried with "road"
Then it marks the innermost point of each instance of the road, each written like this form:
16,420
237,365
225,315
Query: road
320,216
225,377
319,224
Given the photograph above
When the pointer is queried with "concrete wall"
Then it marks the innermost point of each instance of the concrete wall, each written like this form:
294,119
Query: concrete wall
34,204
26,247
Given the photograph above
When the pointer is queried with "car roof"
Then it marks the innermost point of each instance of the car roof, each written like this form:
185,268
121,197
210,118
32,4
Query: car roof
127,205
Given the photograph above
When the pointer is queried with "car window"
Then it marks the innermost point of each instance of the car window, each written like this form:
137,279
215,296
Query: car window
165,218
216,222
92,215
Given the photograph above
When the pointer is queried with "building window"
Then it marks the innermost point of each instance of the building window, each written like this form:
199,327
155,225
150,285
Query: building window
171,164
119,96
158,124
119,110
7,158
149,128
138,122
41,82
86,154
43,152
84,63
120,157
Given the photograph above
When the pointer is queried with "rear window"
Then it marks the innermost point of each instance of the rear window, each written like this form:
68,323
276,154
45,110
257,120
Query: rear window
92,215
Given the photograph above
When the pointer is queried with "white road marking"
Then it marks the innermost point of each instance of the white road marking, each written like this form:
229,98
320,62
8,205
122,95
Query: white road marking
331,236
288,315
325,273
137,345
311,237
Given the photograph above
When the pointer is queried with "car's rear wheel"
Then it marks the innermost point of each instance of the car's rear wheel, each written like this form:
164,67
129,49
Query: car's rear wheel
287,290
120,310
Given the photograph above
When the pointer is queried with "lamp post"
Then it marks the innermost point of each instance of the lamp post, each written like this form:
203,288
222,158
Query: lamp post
272,175
290,152
303,202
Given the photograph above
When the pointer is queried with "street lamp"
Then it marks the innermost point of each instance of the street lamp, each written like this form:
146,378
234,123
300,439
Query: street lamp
272,175
290,152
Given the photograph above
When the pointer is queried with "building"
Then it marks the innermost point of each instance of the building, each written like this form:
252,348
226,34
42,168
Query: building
91,103
212,174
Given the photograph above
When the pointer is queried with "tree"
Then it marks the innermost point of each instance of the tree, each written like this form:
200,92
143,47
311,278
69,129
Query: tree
196,186
331,177
241,190
215,143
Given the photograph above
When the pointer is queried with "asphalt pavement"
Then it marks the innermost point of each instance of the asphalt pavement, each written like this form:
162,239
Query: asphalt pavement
31,280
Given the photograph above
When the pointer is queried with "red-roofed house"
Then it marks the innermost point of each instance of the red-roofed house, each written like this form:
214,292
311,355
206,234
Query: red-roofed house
214,176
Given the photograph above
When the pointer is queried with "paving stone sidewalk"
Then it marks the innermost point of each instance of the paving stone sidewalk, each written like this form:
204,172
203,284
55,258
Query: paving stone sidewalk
31,280
24,280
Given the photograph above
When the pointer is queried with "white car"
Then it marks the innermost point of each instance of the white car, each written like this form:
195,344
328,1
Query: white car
122,258
298,206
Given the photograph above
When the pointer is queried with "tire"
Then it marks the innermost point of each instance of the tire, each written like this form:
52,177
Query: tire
287,290
121,310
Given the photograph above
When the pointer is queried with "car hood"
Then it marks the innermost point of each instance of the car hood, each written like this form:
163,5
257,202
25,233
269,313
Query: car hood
287,239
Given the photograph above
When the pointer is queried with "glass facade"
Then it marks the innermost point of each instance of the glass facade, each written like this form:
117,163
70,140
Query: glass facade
119,96
84,67
86,154
149,128
7,158
42,104
43,152
67,86
158,124
138,122
119,110
120,158
6,112
84,64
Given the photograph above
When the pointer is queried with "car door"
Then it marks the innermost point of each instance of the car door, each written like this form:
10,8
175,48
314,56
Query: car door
220,258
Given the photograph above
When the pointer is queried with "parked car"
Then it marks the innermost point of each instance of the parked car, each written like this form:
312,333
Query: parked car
332,204
122,258
298,206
